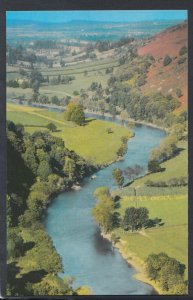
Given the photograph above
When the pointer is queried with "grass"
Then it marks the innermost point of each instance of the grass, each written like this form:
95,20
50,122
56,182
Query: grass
174,167
169,204
91,141
171,238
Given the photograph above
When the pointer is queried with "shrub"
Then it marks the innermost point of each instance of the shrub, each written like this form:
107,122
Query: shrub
153,166
181,60
167,60
183,50
178,93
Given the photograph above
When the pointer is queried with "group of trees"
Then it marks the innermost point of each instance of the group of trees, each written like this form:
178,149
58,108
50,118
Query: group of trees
135,218
168,272
39,165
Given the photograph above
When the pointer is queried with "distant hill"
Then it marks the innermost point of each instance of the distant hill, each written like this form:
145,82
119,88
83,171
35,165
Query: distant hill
167,79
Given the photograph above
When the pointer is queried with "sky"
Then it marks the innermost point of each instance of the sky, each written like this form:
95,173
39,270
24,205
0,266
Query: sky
106,16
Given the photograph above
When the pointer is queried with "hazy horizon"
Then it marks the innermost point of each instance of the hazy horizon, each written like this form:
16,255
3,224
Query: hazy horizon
107,16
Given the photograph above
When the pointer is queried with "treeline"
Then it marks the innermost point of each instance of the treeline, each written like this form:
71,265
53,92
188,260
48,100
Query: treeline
107,45
45,44
172,182
19,53
39,165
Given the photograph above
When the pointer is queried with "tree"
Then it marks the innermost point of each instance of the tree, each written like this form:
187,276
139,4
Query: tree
103,213
178,92
52,127
135,218
101,191
154,166
78,115
168,271
167,60
74,112
101,104
183,50
69,168
44,170
118,176
124,115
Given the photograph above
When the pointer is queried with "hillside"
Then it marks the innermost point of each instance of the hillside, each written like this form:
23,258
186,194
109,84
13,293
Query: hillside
167,79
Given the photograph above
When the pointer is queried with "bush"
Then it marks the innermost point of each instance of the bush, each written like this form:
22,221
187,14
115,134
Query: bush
181,60
167,60
178,93
154,166
183,50
52,127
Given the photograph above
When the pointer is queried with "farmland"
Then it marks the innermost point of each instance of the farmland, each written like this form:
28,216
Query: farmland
171,237
167,203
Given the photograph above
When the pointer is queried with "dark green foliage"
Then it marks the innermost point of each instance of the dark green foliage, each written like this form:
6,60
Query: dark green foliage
167,60
154,166
118,176
141,80
182,60
44,44
52,127
178,93
43,155
14,244
173,182
12,83
135,218
167,271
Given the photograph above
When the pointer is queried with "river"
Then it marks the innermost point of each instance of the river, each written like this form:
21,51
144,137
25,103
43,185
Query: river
85,254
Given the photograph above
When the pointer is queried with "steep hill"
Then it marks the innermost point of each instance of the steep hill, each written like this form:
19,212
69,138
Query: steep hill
167,79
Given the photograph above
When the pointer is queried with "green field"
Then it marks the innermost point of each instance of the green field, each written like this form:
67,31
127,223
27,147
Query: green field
171,237
91,141
174,167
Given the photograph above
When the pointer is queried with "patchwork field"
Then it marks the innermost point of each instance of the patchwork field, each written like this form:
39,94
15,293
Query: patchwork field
91,141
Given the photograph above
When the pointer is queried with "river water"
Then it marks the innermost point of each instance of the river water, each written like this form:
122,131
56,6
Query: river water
85,254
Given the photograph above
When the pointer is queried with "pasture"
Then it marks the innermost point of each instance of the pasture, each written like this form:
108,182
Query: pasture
90,141
171,237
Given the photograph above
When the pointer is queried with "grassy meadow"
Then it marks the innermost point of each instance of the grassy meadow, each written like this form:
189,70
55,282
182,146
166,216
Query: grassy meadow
91,141
171,236
170,204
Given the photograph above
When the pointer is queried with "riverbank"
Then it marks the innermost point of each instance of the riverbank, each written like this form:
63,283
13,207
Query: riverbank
108,115
137,263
